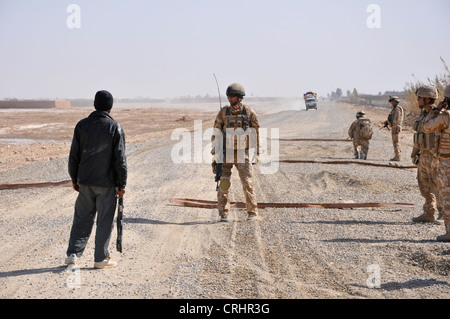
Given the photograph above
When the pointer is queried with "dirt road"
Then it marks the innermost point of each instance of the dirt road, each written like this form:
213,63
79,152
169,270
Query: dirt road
178,252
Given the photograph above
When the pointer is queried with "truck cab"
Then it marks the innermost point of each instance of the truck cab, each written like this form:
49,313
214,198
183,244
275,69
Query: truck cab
310,100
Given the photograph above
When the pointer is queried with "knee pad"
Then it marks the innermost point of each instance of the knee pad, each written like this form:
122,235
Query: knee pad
224,185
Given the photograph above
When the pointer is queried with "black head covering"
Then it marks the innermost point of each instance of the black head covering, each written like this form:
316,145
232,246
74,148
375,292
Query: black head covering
103,101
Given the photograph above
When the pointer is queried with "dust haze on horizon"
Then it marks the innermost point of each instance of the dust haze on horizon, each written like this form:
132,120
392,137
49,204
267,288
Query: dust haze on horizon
169,49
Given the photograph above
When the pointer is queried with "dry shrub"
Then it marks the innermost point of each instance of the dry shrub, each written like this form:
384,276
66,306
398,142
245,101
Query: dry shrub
440,82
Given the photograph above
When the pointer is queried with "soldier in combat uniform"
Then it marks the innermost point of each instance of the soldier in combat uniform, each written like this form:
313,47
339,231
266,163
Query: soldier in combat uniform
395,121
421,154
237,117
441,159
360,132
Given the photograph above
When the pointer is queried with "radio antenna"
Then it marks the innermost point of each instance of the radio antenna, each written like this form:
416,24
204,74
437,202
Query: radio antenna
220,101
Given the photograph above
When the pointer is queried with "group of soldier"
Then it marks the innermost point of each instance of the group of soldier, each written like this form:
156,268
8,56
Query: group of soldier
98,169
431,154
360,131
431,151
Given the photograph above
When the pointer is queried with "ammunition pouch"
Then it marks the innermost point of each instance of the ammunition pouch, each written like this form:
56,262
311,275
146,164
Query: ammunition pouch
424,141
444,144
239,121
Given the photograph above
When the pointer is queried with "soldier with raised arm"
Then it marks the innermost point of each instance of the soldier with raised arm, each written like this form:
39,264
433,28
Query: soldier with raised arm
421,154
440,125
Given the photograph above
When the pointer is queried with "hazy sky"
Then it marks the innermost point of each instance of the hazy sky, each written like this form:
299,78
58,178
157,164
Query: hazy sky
171,48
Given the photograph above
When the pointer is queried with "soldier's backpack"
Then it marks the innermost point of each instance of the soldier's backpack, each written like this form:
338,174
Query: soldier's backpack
365,129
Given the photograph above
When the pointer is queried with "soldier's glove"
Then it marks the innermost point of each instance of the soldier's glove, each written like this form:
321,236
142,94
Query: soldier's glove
442,105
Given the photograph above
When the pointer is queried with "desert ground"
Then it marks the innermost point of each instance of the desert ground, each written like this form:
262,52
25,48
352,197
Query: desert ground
173,252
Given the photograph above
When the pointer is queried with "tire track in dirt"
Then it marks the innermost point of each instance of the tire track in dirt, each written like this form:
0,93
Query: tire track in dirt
34,247
180,252
289,266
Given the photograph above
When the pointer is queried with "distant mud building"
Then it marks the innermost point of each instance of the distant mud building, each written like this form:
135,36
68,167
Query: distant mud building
34,104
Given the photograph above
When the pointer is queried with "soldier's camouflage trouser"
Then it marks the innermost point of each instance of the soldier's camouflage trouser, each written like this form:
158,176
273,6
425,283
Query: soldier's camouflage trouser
362,154
396,144
442,173
245,171
427,186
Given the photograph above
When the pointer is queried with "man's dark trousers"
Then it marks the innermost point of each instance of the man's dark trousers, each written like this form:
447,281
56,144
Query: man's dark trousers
92,199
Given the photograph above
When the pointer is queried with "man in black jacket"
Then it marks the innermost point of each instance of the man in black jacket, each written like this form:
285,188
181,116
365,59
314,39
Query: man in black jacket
98,169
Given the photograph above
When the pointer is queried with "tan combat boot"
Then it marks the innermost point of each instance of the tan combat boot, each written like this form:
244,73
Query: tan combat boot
446,236
426,217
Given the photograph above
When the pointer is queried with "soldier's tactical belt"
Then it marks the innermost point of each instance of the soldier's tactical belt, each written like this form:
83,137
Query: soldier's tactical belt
185,202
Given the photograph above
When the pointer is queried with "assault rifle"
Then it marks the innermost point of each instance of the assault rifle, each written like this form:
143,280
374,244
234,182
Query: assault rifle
119,225
217,167
218,172
386,125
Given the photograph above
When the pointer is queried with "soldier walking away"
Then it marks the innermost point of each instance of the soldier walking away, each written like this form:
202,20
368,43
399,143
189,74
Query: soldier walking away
231,118
395,121
441,159
98,169
361,132
422,153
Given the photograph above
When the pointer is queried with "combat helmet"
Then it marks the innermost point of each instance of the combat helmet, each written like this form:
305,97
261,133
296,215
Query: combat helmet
236,89
394,98
427,91
360,114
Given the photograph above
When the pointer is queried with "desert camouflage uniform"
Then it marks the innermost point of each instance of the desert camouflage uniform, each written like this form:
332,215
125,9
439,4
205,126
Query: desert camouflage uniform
441,164
395,121
423,145
358,140
230,118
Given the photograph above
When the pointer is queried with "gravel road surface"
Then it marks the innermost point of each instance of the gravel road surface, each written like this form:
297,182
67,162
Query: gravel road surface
288,253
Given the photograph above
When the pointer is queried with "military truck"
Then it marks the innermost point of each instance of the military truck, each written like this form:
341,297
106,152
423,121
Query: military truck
310,100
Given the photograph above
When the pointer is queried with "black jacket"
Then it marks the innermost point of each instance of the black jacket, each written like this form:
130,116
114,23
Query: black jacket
97,155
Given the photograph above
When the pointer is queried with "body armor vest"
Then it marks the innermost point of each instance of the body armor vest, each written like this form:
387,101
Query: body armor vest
443,148
237,121
391,115
444,144
423,141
